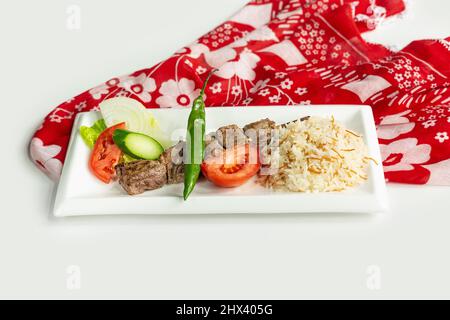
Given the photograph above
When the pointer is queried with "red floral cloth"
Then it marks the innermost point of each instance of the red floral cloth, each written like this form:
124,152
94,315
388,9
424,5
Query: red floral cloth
297,52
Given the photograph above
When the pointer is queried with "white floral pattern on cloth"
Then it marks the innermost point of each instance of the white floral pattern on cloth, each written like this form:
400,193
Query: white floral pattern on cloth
373,16
140,86
442,137
44,157
177,94
401,155
60,114
81,106
194,50
216,87
263,33
102,90
368,13
395,125
261,84
225,60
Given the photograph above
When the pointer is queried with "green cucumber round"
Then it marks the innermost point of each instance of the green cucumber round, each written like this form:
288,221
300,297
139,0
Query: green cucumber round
137,145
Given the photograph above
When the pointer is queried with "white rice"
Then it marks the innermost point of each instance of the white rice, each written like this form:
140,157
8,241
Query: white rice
315,155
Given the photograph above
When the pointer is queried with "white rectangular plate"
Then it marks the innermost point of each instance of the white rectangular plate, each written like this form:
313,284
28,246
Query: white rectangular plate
80,193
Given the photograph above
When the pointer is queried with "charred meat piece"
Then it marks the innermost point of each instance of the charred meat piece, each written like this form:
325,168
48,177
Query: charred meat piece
264,124
173,160
212,146
230,136
143,175
260,131
213,149
210,137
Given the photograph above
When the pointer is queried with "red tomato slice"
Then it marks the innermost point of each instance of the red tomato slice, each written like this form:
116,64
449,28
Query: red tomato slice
234,168
106,155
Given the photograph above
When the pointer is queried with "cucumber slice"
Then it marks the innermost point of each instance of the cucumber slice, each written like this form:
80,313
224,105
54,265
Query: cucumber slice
137,145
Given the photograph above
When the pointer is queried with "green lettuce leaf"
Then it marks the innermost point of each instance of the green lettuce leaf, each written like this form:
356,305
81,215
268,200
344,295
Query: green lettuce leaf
90,134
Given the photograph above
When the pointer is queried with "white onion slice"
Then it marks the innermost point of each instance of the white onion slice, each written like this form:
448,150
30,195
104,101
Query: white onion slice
135,115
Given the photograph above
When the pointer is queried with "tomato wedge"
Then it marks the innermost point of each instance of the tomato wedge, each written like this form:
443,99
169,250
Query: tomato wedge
106,155
233,168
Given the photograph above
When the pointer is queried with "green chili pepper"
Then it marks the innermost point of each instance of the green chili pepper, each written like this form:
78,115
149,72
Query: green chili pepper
195,142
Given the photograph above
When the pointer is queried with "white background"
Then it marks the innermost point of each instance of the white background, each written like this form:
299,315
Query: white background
305,256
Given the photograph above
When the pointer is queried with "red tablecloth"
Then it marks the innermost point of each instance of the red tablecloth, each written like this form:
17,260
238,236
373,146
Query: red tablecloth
297,52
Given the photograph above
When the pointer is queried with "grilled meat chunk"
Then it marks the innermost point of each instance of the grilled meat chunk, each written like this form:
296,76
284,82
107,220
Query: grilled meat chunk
230,136
260,132
143,175
210,138
213,148
173,160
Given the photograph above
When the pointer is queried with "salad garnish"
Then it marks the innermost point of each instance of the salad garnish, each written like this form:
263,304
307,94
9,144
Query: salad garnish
137,145
126,133
233,167
106,155
137,118
90,134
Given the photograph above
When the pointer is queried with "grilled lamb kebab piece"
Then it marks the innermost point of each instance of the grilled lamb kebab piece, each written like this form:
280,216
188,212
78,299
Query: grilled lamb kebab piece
260,132
138,176
145,175
212,146
223,138
231,135
173,160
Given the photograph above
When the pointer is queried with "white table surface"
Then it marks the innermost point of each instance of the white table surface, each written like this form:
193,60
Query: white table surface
289,256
